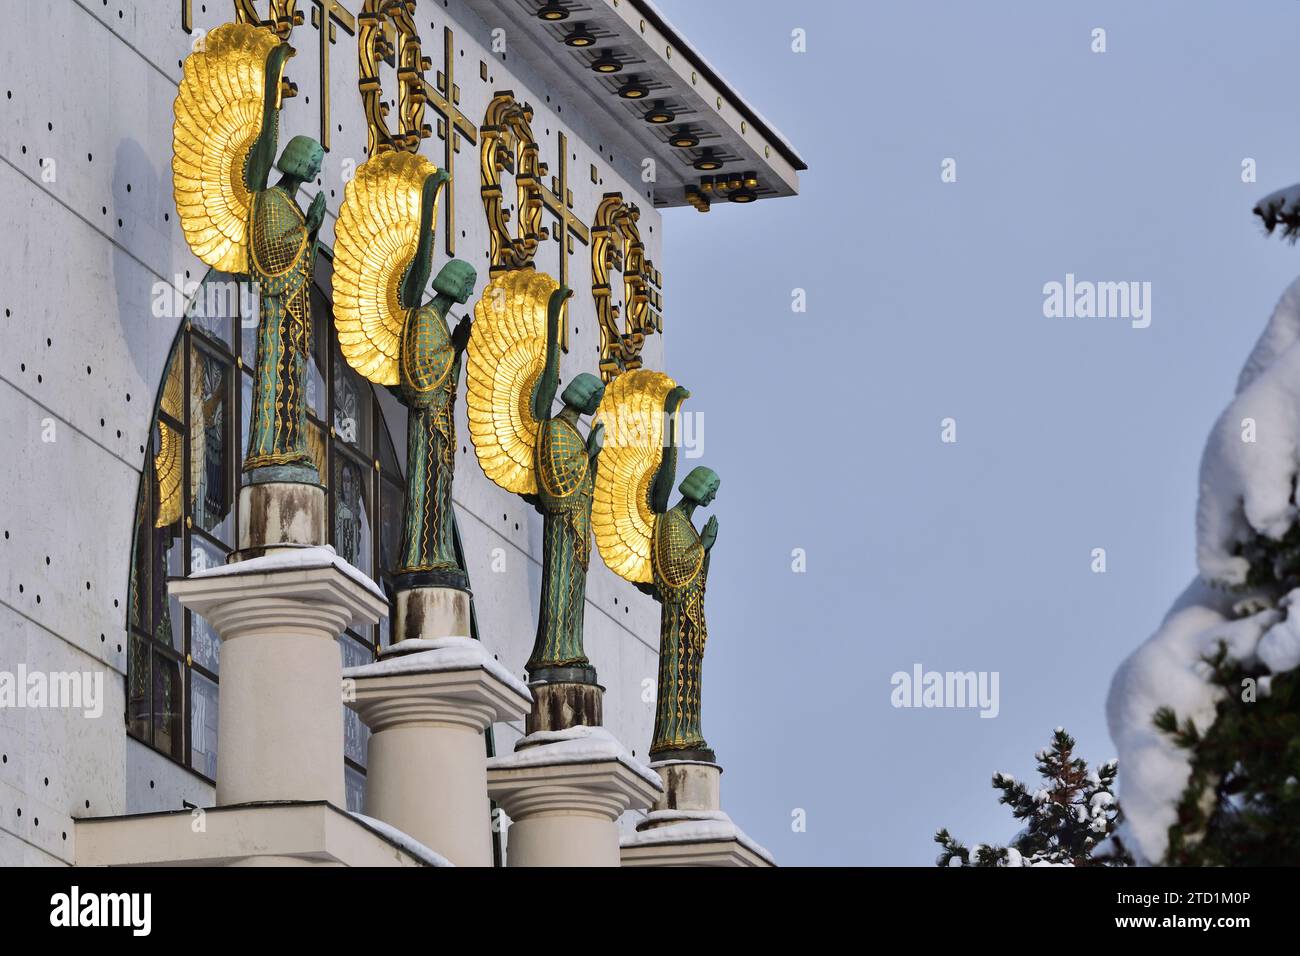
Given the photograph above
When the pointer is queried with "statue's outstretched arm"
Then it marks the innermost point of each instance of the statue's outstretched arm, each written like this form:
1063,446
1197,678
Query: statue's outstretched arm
549,381
417,273
662,486
261,158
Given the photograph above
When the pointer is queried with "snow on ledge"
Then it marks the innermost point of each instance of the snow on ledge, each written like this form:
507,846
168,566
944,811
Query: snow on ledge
402,839
431,655
295,559
574,745
693,826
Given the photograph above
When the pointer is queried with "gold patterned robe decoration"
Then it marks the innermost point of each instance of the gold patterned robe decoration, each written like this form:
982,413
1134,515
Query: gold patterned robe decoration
221,121
547,461
659,551
430,374
681,570
377,239
281,260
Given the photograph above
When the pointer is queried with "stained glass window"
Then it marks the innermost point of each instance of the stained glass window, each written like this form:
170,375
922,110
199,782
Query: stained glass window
187,514
351,512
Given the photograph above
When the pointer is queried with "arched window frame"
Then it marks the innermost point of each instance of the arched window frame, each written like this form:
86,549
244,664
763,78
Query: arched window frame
170,694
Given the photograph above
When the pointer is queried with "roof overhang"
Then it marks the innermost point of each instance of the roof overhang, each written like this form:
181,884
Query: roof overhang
709,119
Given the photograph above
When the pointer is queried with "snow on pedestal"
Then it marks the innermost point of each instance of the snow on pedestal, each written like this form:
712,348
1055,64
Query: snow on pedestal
427,703
691,838
563,791
575,745
687,826
280,715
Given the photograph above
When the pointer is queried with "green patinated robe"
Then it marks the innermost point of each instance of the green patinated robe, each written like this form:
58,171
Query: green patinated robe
681,568
430,373
281,258
565,488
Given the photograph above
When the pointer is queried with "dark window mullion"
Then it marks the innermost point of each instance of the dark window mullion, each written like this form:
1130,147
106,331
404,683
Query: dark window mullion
327,379
187,520
176,424
204,672
213,345
204,537
376,505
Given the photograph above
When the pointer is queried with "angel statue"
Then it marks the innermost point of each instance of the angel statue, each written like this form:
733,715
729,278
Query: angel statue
383,253
657,547
224,138
526,448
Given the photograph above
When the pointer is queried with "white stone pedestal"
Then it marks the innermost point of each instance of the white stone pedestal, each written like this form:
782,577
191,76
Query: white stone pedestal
268,834
688,827
564,791
427,704
281,716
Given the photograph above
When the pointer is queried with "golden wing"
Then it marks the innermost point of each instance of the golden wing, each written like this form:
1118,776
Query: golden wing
375,240
632,412
218,112
507,355
167,460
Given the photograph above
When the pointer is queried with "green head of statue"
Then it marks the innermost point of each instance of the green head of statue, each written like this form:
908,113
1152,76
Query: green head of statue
584,393
456,280
301,158
701,485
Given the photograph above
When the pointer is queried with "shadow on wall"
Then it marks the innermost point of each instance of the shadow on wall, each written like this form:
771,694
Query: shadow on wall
143,220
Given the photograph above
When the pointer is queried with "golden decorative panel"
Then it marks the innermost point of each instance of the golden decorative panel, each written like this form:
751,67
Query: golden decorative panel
616,245
386,31
283,16
507,145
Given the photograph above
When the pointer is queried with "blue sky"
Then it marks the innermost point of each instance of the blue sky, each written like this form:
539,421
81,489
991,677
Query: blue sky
925,301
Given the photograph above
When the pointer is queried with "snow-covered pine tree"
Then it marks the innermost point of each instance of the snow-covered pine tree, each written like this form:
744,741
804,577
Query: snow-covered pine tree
1066,820
1242,802
1206,713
